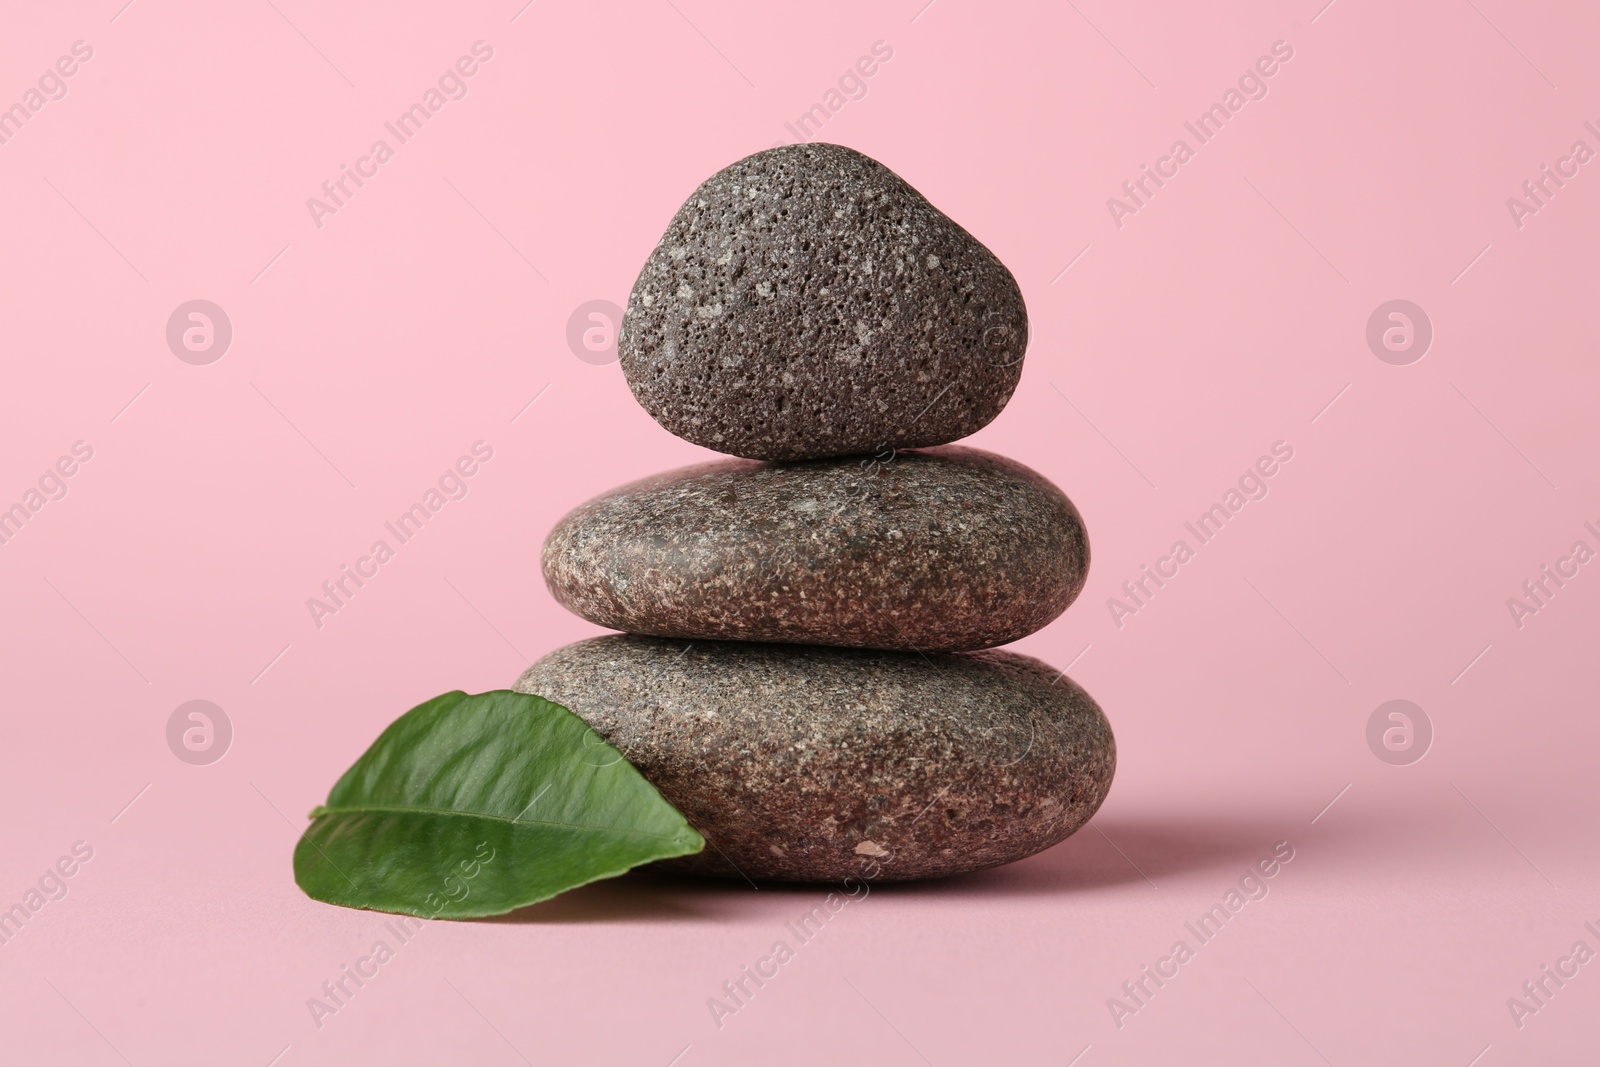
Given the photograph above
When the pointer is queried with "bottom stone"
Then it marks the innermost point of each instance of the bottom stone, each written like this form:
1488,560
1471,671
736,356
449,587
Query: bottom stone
803,763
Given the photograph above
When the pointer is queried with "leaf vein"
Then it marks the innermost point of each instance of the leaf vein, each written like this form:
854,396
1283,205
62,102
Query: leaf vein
379,808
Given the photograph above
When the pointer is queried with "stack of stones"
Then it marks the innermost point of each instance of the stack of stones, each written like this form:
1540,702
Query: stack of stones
800,673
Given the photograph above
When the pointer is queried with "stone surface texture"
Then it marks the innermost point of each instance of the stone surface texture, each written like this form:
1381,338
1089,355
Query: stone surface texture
806,302
816,764
949,549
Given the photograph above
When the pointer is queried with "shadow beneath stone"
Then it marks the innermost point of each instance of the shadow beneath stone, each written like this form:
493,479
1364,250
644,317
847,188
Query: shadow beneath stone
646,896
1112,852
1142,850
618,900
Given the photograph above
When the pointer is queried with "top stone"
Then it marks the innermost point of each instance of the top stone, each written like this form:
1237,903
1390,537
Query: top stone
806,302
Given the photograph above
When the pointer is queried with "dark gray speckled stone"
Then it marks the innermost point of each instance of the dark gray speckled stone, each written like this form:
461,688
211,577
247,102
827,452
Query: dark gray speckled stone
806,302
816,764
947,550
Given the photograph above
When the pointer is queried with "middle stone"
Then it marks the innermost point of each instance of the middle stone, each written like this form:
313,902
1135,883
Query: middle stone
946,549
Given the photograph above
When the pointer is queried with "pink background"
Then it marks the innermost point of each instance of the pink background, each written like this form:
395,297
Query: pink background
1222,317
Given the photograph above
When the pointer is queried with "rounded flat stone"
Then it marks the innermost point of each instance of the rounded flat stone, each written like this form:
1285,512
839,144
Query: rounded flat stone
806,302
948,549
816,764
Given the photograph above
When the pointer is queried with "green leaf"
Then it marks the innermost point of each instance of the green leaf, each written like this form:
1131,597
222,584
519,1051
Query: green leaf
475,805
